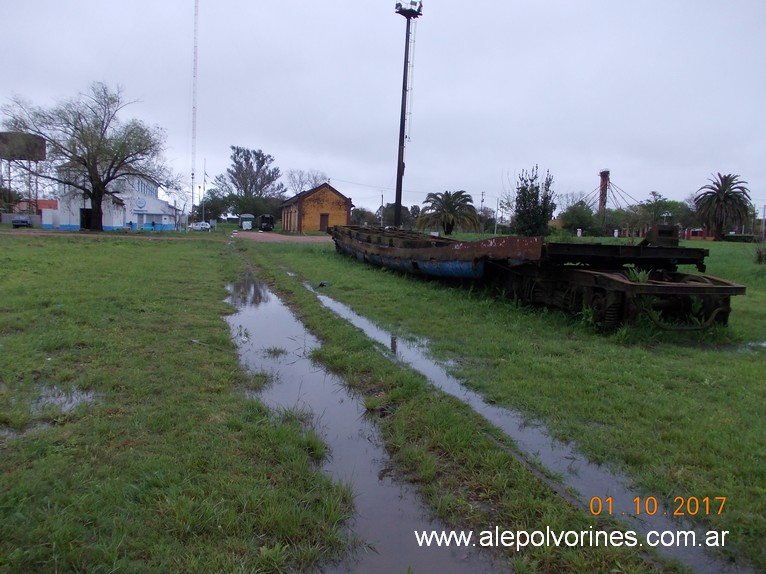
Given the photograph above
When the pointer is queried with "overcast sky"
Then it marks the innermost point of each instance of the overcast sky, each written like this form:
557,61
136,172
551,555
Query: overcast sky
663,93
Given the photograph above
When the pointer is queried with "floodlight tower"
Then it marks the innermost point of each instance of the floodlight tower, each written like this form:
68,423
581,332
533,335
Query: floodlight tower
410,9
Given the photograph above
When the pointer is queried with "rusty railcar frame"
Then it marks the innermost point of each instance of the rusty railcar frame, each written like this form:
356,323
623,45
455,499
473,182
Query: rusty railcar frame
615,283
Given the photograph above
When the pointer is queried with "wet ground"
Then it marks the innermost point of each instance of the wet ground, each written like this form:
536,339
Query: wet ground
63,401
50,400
271,340
271,237
388,511
575,471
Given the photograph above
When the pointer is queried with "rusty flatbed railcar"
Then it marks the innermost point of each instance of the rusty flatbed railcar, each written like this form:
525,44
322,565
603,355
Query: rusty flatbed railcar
615,283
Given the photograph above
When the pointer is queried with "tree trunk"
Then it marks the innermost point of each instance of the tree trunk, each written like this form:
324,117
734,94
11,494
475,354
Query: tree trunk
97,212
718,229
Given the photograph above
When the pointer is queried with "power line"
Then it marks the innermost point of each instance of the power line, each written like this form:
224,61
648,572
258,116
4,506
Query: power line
387,188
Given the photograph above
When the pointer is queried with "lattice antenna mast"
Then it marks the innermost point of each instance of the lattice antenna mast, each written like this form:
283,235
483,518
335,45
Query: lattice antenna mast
411,84
194,105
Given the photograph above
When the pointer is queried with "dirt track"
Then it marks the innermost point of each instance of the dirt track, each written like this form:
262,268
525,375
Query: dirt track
251,235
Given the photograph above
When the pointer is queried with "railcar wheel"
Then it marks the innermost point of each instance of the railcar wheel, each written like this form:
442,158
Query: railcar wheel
607,309
717,307
598,307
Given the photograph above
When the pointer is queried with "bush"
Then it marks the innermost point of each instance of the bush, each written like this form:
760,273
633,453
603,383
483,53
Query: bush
760,252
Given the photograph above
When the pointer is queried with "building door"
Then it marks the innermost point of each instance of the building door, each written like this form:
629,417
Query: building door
86,216
324,220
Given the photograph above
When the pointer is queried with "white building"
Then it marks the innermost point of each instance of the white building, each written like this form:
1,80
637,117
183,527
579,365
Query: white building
136,206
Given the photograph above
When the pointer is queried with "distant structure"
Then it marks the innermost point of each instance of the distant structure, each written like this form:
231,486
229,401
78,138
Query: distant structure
133,204
603,195
316,209
19,146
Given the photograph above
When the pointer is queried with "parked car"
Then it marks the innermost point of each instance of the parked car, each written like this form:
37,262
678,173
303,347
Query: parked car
21,220
200,226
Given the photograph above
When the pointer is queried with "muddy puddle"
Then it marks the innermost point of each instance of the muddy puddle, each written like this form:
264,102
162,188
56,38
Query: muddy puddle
753,346
63,401
575,471
51,399
388,511
9,433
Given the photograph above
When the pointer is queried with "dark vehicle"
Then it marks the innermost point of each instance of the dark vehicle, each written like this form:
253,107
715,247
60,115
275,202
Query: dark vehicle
21,220
614,283
265,223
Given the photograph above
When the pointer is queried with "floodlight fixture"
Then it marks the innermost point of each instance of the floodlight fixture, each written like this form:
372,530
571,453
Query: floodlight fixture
410,9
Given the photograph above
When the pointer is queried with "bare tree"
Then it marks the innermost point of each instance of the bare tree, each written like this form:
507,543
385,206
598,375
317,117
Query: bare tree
567,200
88,147
507,201
300,180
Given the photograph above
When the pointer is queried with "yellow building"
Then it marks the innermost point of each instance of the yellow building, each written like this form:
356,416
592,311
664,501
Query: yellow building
316,210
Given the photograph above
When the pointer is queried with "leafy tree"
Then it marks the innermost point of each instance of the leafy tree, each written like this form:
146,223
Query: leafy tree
629,218
655,208
681,213
250,181
8,198
408,221
216,204
299,180
659,209
578,216
722,202
448,210
486,217
88,147
362,216
534,204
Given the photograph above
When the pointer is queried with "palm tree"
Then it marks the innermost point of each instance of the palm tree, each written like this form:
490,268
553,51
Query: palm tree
447,210
724,201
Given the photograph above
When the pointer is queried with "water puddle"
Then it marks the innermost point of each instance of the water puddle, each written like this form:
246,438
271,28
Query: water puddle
49,399
64,401
9,433
752,346
272,340
576,472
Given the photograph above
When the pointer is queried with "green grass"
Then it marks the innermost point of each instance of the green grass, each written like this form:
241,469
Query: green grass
681,413
169,468
466,472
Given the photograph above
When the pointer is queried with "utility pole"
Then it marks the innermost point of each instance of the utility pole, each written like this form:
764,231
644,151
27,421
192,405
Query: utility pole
409,10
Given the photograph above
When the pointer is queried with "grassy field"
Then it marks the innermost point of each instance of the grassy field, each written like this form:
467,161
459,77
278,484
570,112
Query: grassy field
681,413
165,467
